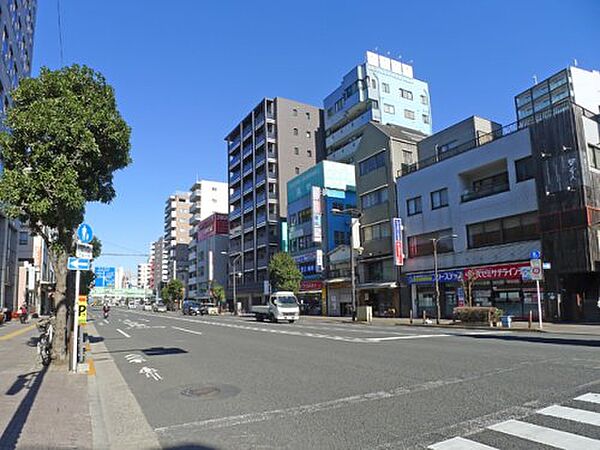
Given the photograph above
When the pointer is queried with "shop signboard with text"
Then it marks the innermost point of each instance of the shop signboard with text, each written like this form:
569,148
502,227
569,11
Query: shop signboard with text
513,271
444,276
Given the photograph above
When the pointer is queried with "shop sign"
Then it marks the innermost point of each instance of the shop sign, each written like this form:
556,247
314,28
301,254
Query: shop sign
316,214
319,261
397,233
497,272
309,257
460,296
444,276
311,285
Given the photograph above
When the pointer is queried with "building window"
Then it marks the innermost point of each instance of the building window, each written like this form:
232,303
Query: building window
523,227
423,99
23,237
414,206
309,153
374,198
297,170
308,134
341,238
524,168
295,112
422,245
308,116
594,155
377,231
385,88
409,114
487,186
374,83
372,163
296,151
408,157
425,118
389,108
408,95
375,104
295,131
439,199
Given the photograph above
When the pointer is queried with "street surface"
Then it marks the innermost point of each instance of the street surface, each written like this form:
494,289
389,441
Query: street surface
232,382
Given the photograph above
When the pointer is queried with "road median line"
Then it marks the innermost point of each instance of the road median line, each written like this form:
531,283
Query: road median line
16,333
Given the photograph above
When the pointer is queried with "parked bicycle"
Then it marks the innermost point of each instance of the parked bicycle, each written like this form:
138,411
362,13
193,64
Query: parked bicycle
44,345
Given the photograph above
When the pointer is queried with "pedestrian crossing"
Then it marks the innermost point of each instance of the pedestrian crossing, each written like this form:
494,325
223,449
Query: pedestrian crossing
529,434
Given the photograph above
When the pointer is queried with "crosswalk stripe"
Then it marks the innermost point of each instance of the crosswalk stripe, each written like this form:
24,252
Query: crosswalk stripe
590,398
459,443
576,415
546,436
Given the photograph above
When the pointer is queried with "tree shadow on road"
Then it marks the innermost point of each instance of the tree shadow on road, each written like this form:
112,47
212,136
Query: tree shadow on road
12,432
539,339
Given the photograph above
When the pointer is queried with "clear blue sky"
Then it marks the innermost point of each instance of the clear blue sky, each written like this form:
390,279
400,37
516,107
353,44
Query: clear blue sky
186,71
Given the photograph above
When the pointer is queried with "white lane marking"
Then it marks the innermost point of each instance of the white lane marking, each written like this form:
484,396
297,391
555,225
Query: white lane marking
135,358
105,321
576,415
546,436
187,331
151,372
589,397
459,443
123,333
416,336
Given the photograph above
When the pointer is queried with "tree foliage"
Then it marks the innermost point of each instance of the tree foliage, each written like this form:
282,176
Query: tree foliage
173,292
65,138
218,293
284,273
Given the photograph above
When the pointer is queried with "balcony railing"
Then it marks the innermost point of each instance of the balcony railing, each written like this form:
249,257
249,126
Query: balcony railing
248,225
248,206
248,245
235,194
235,213
247,150
234,143
234,161
247,168
260,159
259,120
261,219
485,192
247,187
236,177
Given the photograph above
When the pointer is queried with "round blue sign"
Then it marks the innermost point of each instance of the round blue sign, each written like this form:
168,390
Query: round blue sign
85,233
535,254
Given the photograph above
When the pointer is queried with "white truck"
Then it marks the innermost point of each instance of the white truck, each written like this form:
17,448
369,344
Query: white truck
282,305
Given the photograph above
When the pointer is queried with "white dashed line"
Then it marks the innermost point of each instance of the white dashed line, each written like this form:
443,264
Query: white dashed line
123,333
187,331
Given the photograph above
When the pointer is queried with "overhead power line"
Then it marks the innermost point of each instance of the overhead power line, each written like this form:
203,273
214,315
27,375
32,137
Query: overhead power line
124,254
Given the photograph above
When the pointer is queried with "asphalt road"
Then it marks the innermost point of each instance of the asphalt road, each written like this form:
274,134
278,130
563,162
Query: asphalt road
227,382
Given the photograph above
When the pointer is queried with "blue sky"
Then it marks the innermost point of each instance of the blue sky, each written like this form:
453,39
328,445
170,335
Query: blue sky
186,71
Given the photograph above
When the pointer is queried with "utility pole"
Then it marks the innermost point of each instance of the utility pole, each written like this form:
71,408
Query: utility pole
435,241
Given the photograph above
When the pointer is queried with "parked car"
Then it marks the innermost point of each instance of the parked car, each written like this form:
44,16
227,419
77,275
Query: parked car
190,308
147,307
209,308
159,307
131,305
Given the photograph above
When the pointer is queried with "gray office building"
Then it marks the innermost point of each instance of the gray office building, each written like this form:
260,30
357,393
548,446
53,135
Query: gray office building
17,22
276,141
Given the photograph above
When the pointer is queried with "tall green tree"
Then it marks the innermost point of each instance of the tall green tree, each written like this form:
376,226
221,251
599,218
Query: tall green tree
65,140
284,273
218,294
173,292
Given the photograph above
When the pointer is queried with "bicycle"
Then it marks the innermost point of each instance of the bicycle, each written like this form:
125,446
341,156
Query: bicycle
44,345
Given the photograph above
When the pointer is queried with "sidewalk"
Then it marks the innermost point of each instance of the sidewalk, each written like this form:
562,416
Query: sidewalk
548,327
53,408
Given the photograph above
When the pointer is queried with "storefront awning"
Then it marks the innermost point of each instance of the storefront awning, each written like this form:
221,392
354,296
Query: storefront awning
388,285
337,280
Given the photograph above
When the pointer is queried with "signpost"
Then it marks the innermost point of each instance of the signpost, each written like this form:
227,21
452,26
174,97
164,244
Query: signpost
82,309
84,250
537,274
104,277
78,263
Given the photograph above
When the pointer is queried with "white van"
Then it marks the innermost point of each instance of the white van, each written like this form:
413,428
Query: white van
282,305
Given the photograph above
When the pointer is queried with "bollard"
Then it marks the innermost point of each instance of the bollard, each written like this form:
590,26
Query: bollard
424,317
530,318
411,317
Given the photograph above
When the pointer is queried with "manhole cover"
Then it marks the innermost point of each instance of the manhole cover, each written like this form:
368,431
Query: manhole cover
208,391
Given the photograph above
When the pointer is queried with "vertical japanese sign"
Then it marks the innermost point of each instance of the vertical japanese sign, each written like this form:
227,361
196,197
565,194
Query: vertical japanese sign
398,247
316,214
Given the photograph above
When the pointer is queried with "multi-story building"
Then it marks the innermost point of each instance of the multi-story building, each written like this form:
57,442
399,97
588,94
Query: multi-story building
17,23
316,228
529,186
177,236
143,276
381,154
276,141
36,274
207,198
158,265
380,90
211,260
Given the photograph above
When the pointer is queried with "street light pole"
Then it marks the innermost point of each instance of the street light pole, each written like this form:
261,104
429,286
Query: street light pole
435,241
232,265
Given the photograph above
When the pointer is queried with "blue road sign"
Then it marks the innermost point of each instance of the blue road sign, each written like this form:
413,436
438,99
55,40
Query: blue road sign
104,277
535,254
85,233
74,263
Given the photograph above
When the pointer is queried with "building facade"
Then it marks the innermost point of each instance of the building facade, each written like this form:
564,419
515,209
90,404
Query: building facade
143,275
382,153
315,228
206,198
17,24
276,141
158,265
381,90
211,256
177,236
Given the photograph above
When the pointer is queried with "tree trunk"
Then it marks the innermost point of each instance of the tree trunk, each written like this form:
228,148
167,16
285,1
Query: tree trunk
61,308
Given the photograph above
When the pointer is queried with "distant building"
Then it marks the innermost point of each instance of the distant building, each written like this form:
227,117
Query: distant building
177,235
207,198
276,141
211,256
143,276
17,23
315,229
381,90
158,265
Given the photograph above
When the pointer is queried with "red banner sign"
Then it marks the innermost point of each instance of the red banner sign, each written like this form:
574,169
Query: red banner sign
311,285
496,272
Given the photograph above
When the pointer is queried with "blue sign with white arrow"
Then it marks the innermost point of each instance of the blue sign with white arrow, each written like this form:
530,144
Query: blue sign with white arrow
104,276
85,233
74,263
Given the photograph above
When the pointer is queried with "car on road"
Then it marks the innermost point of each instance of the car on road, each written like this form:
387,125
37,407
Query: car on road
159,307
209,309
282,305
147,307
190,308
131,305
